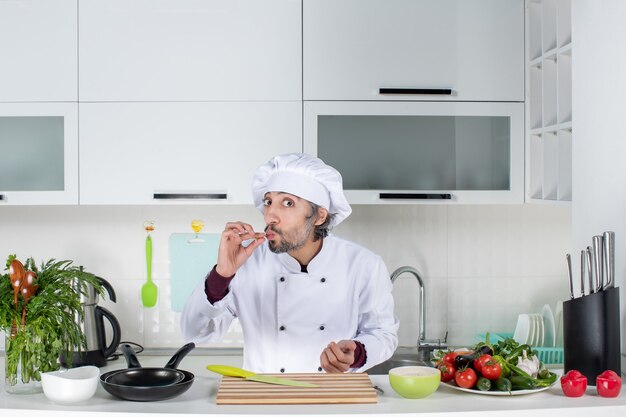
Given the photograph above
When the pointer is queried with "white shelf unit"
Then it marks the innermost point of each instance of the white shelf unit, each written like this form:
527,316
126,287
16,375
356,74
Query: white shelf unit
549,101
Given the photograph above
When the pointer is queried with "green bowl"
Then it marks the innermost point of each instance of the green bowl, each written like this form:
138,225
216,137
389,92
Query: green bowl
414,381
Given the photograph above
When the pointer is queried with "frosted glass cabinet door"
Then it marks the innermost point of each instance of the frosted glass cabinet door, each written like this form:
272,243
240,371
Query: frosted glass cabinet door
165,153
190,50
401,152
39,144
38,50
353,48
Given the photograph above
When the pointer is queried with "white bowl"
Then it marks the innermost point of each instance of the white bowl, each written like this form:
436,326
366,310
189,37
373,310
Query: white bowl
67,386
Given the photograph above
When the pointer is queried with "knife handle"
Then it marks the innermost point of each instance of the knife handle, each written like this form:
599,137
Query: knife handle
589,270
609,258
229,371
583,271
589,257
568,259
597,254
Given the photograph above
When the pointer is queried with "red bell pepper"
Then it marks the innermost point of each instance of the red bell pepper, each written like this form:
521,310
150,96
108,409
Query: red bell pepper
574,384
608,384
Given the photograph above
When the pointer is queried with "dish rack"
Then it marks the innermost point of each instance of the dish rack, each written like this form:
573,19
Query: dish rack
547,355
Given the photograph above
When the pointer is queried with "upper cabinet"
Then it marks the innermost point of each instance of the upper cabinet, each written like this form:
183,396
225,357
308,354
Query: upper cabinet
165,153
399,152
549,101
413,50
39,145
38,46
190,50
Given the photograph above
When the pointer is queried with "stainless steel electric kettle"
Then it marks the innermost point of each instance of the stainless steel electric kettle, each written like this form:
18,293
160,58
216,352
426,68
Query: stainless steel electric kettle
93,327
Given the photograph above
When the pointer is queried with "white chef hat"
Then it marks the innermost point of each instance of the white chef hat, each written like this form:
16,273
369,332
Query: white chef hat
304,176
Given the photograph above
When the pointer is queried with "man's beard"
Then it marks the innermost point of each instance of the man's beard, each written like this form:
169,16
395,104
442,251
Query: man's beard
294,240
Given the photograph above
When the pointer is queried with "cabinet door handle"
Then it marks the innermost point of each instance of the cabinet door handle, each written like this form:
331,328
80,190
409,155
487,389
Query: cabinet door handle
414,196
190,196
408,91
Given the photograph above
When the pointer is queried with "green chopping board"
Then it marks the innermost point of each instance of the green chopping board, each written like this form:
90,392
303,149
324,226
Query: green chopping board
190,261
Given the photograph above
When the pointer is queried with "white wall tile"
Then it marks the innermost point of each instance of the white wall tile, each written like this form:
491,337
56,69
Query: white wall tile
515,240
478,305
402,235
462,253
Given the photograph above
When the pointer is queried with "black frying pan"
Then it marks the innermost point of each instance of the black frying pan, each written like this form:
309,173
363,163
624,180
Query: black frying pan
135,375
153,384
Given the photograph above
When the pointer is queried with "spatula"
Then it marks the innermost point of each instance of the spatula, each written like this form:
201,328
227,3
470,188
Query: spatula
149,290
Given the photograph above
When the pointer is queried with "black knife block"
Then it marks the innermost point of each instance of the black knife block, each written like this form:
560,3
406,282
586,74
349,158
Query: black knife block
591,334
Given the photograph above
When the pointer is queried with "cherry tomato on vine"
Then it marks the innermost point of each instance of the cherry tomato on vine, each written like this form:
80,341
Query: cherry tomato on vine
465,378
478,362
449,357
491,370
447,371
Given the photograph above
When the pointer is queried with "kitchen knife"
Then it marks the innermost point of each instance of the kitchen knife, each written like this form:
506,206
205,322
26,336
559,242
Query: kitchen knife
568,258
583,271
251,376
597,262
589,270
609,259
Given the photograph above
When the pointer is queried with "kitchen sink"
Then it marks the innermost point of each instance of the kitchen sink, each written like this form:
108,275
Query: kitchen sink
398,359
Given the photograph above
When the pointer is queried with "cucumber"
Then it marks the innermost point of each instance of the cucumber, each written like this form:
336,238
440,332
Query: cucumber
522,382
502,384
483,384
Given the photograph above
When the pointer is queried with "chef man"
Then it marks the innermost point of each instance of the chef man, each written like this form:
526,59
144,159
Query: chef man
307,301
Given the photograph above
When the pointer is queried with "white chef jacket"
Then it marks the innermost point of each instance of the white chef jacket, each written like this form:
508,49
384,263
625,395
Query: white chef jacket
288,317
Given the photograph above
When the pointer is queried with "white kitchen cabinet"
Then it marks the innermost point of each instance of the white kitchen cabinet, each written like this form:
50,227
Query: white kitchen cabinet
549,101
165,153
190,50
402,152
39,148
38,46
353,48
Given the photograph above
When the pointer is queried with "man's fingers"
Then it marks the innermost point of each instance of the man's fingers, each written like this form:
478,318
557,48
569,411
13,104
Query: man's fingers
241,231
341,355
330,363
258,241
239,227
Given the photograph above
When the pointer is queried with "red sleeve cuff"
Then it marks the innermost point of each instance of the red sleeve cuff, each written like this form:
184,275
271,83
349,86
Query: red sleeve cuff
360,355
216,286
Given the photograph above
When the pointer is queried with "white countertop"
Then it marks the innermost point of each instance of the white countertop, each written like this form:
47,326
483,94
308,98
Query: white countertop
200,400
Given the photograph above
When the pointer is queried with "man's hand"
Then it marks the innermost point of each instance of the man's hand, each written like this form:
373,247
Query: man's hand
337,357
231,255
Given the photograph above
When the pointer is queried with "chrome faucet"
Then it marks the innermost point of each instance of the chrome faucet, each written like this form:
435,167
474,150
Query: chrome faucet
424,346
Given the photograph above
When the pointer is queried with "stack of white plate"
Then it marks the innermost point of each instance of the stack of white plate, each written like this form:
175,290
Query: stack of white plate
536,329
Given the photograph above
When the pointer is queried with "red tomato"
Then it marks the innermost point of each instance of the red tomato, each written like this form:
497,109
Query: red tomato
574,384
478,363
465,378
491,370
447,371
608,384
449,357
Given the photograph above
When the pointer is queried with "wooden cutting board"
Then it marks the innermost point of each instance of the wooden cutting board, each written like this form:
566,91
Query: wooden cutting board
350,388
